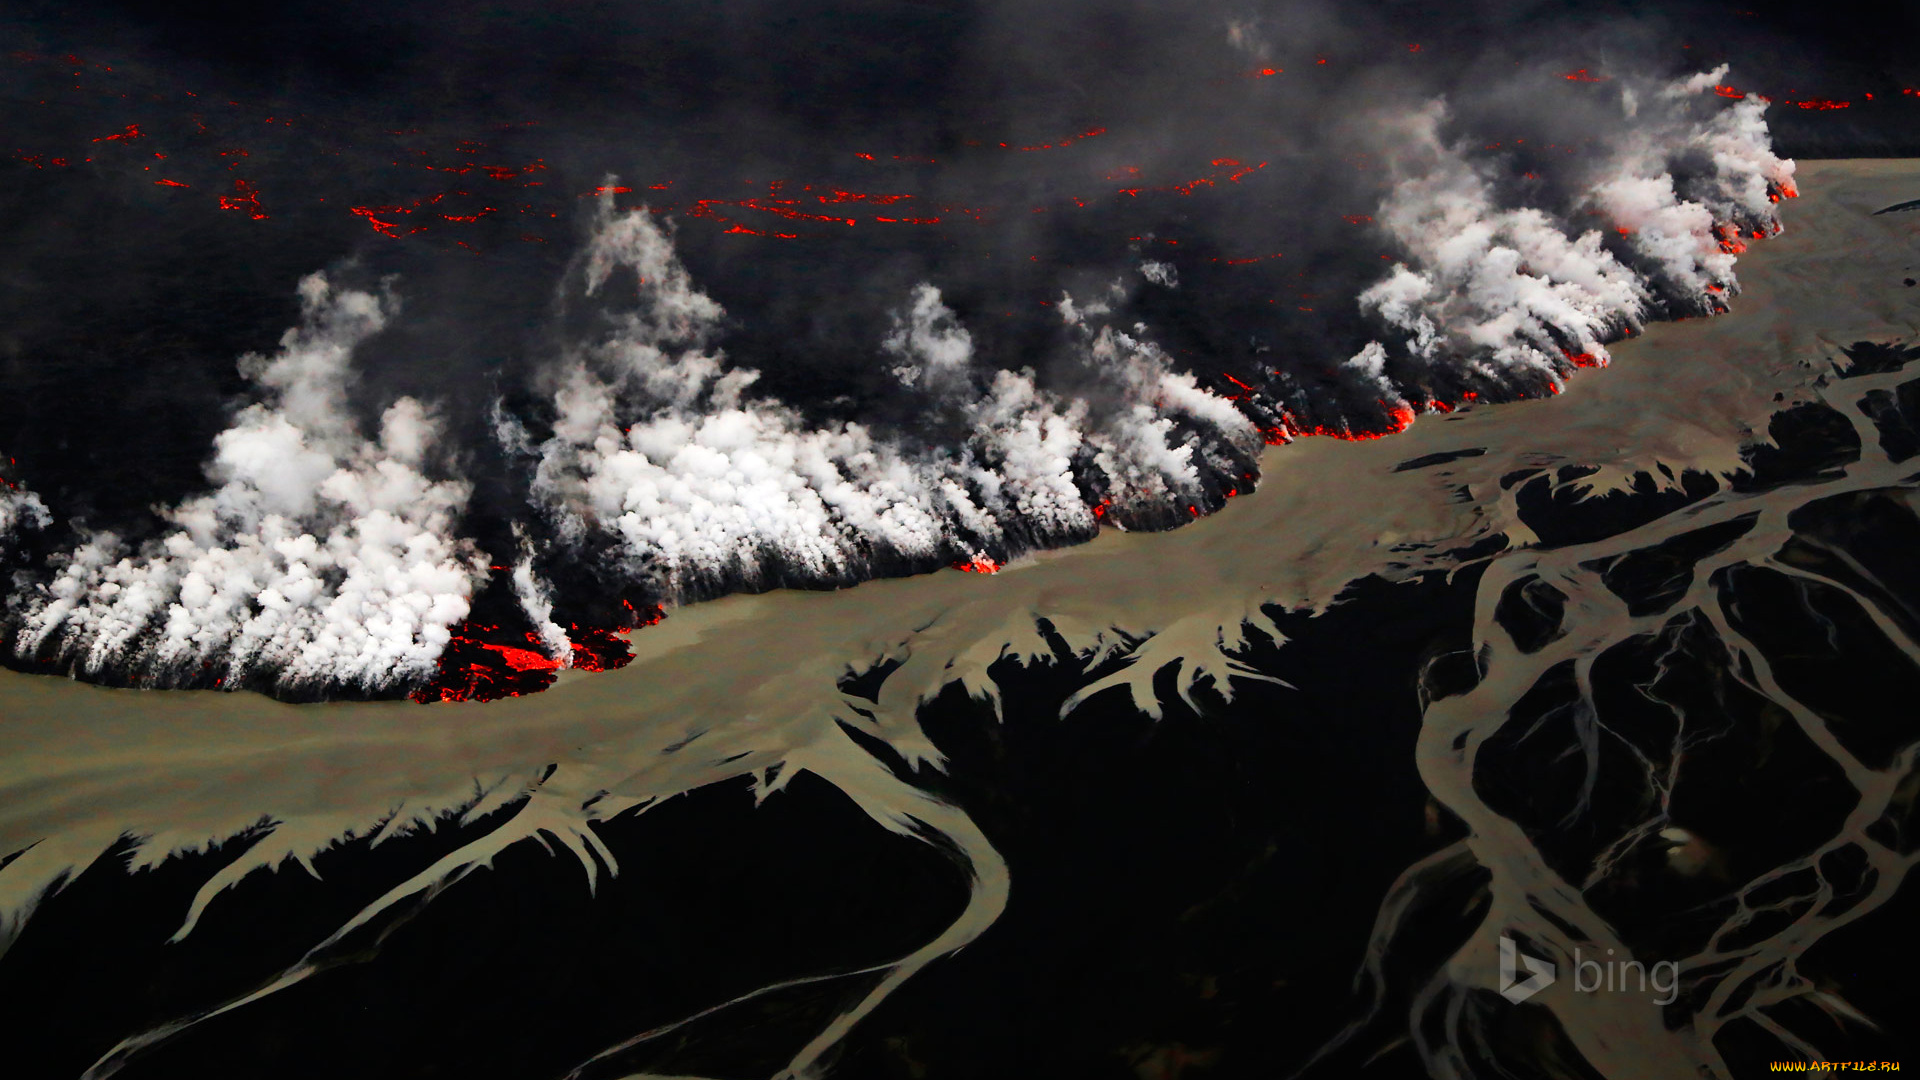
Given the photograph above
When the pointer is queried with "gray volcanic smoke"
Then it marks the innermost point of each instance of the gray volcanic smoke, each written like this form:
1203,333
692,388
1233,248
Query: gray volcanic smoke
1012,344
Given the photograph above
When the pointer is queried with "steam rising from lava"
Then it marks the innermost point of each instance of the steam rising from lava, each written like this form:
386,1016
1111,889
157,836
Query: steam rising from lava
321,560
658,445
653,462
1505,292
20,509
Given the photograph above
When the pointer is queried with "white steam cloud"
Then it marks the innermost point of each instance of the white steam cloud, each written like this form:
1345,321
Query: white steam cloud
1502,291
20,509
321,559
1163,274
658,444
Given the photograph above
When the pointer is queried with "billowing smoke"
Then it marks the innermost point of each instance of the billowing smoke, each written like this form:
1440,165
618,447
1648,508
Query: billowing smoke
20,510
1509,294
659,444
322,560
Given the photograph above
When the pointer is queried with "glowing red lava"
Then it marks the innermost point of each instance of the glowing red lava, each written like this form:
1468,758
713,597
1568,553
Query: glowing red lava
486,662
384,228
1245,390
245,198
1068,141
981,564
1399,418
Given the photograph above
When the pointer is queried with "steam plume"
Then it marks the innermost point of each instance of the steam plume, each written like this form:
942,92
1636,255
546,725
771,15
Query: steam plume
1507,294
658,444
321,559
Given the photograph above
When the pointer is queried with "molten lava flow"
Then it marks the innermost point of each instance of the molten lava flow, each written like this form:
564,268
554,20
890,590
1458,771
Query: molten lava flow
981,564
1239,170
384,228
1822,104
474,668
1582,76
245,198
598,648
1068,141
769,207
132,132
1245,390
487,662
840,196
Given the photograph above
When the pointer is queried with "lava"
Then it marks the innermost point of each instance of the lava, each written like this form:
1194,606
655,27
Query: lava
979,564
472,668
840,196
384,228
486,662
245,198
1068,141
1400,417
767,207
